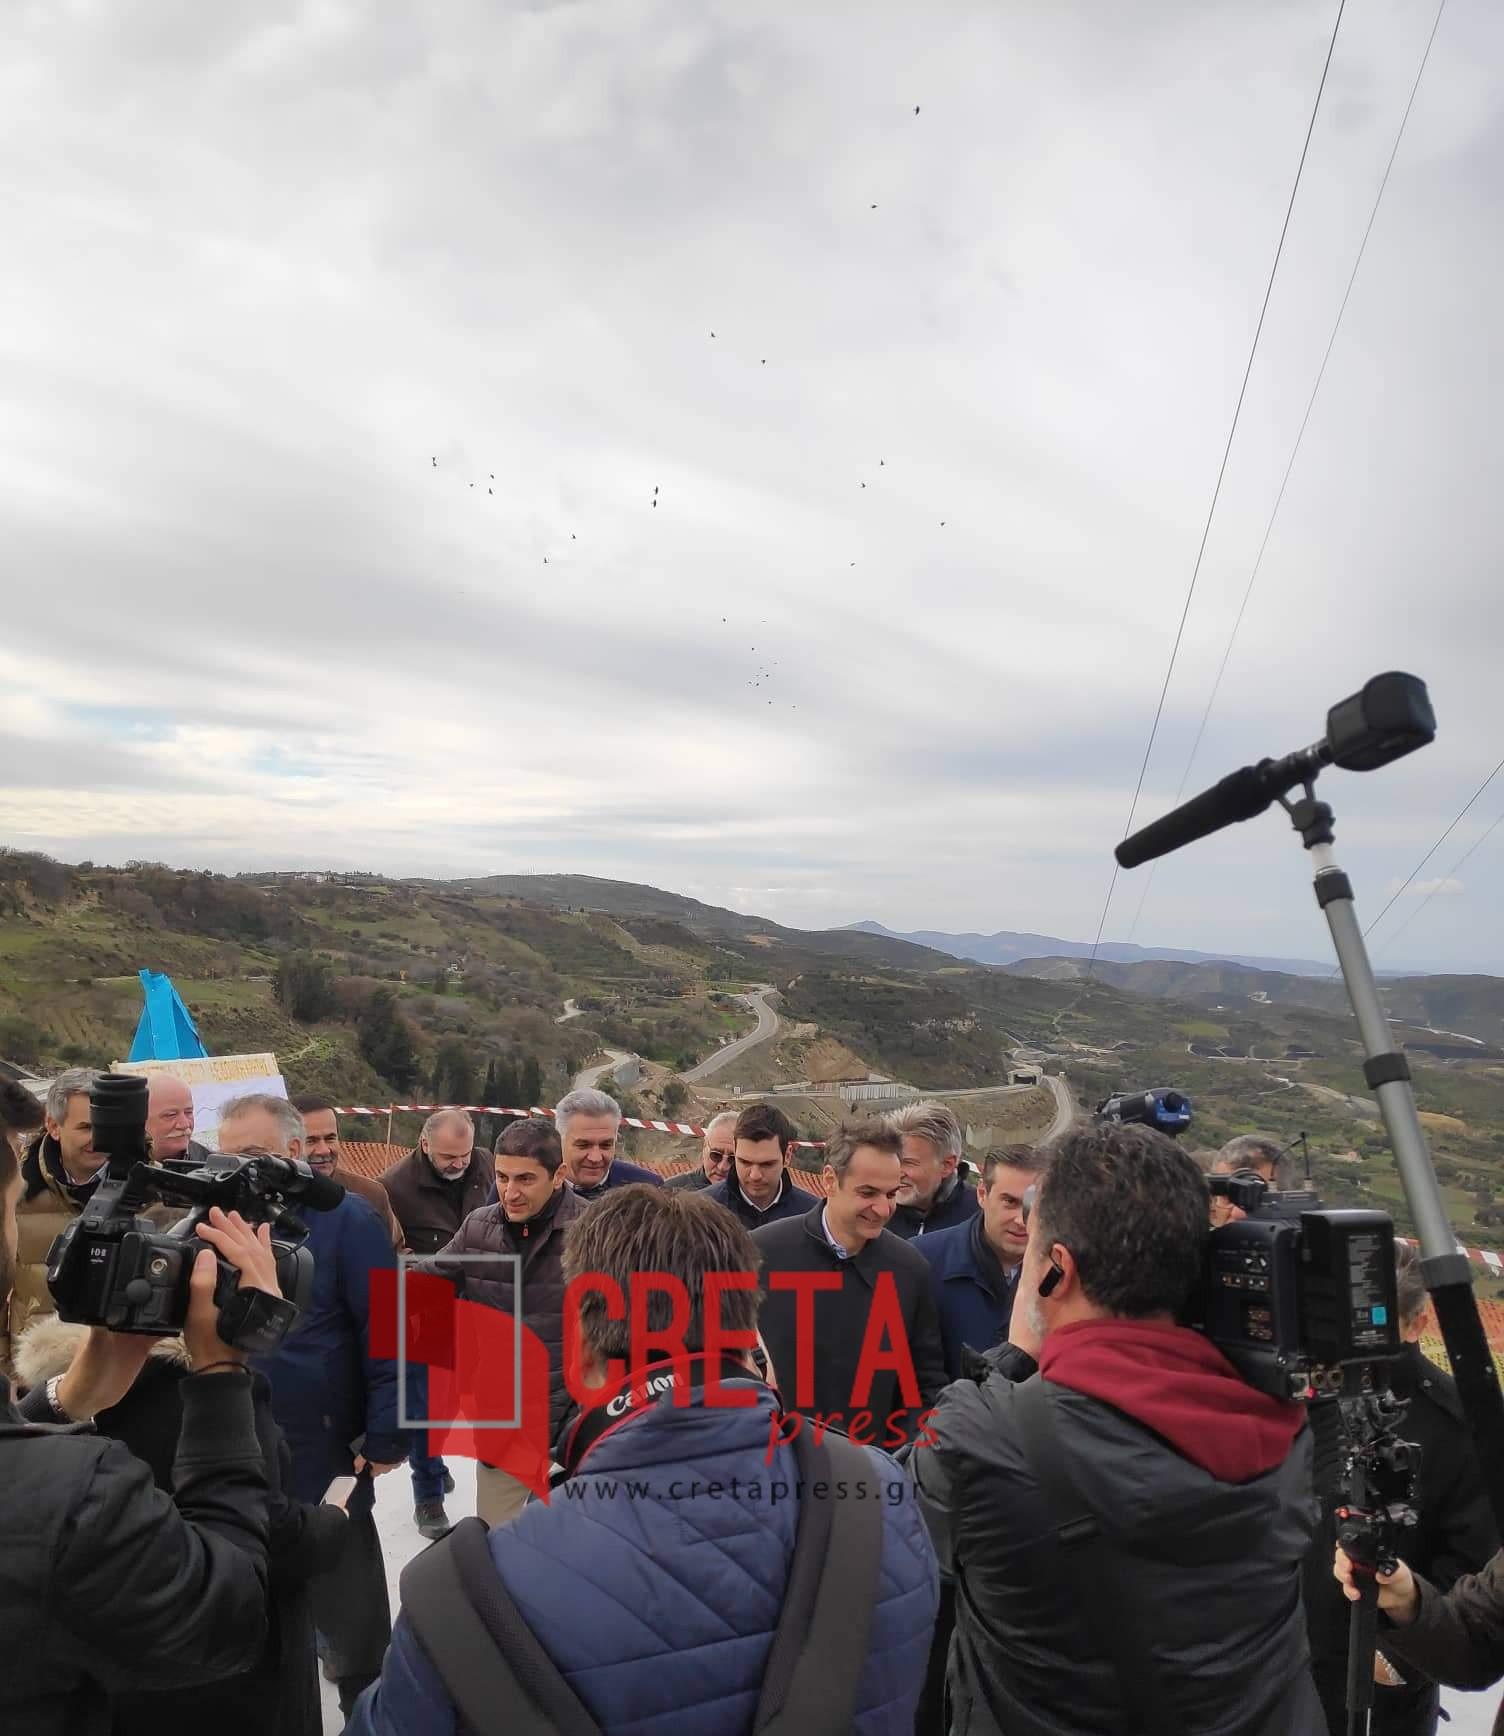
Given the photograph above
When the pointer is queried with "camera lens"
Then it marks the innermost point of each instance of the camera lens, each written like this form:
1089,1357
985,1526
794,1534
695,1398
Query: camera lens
117,1115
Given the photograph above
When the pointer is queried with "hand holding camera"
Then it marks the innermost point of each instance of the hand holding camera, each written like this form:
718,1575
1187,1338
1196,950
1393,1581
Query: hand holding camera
107,1364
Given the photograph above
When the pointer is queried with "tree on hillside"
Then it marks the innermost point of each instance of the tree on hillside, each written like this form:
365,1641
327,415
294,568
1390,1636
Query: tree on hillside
530,1083
453,1073
304,985
20,1040
507,1087
386,1040
675,1096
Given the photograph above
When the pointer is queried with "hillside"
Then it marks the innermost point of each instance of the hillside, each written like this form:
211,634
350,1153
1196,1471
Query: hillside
379,990
1449,1017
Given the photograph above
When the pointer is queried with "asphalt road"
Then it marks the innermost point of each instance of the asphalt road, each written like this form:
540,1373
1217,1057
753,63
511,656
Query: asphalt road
767,1026
1065,1109
592,1076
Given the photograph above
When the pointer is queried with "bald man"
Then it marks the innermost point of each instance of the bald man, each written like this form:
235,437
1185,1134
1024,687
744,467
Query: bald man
169,1120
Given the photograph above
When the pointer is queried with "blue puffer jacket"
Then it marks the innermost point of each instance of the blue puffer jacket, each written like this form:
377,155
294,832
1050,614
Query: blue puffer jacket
659,1606
326,1387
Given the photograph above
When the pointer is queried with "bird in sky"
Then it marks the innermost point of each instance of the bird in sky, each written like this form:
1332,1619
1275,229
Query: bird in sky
435,463
916,108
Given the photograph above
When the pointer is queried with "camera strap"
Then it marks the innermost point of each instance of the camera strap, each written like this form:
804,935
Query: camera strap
1092,1562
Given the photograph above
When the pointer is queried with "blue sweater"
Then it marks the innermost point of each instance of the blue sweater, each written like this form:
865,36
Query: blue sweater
658,1600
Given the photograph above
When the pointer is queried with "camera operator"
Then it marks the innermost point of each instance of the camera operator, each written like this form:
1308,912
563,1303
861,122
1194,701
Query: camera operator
1254,1154
107,1585
1454,1533
1125,1519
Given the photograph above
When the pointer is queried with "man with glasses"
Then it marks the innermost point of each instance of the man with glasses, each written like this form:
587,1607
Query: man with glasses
715,1155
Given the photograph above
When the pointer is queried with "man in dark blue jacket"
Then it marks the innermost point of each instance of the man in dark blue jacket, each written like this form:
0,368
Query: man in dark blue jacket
335,1402
589,1124
655,1576
759,1189
974,1265
939,1186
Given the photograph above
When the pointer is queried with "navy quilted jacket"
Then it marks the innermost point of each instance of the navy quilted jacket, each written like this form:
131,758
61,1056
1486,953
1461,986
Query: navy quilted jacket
659,1604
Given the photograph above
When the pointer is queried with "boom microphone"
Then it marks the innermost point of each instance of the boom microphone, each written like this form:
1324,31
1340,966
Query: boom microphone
1241,795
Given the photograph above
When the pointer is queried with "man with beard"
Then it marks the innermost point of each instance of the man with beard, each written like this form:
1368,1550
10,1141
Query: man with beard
939,1186
169,1120
715,1155
432,1191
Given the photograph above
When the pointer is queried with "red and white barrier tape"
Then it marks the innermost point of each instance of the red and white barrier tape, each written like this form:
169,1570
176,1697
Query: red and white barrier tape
683,1127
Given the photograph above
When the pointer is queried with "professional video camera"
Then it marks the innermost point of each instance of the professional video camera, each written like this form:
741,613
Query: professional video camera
1300,1298
112,1268
1169,1111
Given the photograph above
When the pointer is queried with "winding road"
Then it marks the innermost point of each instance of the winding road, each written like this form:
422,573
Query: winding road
1065,1109
767,1027
592,1076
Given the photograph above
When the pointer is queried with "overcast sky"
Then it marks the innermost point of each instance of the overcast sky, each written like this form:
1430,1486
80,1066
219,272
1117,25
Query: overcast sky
288,284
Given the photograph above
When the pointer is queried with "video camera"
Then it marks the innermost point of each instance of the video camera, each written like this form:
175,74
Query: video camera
1169,1111
1301,1298
112,1268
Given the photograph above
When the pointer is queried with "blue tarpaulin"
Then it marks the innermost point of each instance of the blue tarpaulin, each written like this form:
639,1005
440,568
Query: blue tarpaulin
166,1031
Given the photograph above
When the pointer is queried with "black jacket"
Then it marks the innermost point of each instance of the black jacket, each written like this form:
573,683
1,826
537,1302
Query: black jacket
1455,1535
108,1586
1457,1635
429,1209
1209,1569
691,1179
793,1202
541,1246
954,1203
825,1386
281,1694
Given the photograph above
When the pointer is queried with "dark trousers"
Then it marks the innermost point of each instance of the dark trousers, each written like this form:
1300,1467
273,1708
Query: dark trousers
428,1470
352,1611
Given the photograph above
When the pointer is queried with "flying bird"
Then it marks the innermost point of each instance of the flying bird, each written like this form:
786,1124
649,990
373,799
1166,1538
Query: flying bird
874,207
436,464
916,108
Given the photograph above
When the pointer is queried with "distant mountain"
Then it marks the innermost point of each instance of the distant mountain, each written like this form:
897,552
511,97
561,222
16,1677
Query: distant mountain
1451,1017
1005,947
627,899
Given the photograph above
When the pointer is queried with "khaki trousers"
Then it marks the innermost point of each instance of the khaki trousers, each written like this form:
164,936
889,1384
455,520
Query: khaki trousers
498,1495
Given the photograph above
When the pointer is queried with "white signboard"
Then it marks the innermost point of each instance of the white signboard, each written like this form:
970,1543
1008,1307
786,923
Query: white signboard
214,1080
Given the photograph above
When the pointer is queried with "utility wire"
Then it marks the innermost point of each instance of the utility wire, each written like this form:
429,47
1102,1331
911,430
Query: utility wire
1434,848
1453,870
1294,452
1221,473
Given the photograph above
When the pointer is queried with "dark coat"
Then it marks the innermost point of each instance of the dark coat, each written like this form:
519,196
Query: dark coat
375,1196
954,1203
107,1585
659,1609
1213,1569
1455,1535
327,1389
542,1249
973,1294
793,1202
695,1178
620,1174
429,1209
281,1694
1457,1636
840,1323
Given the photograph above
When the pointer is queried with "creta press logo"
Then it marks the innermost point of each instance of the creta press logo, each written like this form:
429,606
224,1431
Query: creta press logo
479,1381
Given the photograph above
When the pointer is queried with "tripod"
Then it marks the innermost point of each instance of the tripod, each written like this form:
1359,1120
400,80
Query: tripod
1390,718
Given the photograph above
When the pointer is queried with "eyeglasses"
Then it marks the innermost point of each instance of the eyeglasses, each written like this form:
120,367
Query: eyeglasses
720,1156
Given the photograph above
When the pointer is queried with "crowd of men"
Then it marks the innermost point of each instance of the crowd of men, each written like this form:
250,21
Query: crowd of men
939,1456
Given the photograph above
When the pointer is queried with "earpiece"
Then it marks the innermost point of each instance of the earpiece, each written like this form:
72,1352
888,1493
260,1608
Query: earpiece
1051,1281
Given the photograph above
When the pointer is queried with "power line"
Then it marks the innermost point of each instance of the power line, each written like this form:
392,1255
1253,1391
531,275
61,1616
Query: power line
1450,873
1221,473
1294,450
1434,848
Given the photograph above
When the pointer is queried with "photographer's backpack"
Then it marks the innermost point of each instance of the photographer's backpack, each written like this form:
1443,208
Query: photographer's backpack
501,1679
